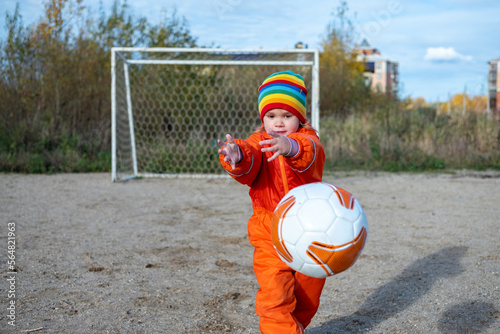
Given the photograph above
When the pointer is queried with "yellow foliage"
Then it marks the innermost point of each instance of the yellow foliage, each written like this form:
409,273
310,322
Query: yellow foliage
51,26
411,104
456,104
420,102
341,75
338,59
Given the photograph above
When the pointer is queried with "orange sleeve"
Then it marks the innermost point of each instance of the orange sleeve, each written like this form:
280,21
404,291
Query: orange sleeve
247,169
310,160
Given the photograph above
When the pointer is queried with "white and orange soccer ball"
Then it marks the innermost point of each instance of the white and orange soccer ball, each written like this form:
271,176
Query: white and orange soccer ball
319,229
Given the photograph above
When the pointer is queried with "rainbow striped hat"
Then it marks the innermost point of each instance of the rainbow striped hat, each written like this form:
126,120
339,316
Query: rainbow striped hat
283,90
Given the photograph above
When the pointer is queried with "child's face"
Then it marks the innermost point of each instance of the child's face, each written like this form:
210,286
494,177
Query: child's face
281,121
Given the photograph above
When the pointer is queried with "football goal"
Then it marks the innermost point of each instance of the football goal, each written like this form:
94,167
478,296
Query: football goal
169,105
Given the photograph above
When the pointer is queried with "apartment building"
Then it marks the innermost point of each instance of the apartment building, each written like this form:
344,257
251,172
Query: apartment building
494,87
380,74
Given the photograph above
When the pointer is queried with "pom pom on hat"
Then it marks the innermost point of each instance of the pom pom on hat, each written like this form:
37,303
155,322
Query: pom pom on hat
283,90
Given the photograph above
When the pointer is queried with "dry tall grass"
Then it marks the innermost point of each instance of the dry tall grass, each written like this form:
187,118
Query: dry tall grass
392,138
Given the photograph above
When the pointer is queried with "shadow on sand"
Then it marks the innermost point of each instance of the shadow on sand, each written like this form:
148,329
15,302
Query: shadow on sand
399,294
467,317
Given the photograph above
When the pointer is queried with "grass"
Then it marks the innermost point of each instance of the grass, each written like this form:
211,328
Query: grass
410,140
29,153
387,138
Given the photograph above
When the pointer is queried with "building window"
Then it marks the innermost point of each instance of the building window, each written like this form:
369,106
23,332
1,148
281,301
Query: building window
379,76
368,80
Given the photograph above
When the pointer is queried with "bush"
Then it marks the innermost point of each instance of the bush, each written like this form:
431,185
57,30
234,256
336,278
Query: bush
55,84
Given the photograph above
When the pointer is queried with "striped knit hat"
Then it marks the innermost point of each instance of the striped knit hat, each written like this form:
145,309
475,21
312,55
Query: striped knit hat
283,90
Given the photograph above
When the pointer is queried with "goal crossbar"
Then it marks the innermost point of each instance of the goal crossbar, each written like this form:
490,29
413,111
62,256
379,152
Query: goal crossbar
220,62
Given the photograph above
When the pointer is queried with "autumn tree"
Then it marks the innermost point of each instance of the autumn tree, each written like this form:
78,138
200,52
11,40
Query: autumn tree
341,74
55,82
460,102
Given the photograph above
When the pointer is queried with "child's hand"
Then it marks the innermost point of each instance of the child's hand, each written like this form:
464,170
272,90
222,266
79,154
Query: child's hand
230,150
280,145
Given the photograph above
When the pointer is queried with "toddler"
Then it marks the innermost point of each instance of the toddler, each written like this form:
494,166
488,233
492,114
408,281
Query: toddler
285,152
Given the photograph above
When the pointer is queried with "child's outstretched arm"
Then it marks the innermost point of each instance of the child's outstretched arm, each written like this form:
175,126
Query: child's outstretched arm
230,150
310,158
241,158
281,145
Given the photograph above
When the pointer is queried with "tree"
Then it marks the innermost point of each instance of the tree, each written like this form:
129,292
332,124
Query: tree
55,81
342,84
457,103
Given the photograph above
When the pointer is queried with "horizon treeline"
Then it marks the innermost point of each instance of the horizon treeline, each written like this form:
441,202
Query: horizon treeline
55,92
55,83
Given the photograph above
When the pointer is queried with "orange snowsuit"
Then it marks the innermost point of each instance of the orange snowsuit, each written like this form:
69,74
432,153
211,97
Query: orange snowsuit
287,300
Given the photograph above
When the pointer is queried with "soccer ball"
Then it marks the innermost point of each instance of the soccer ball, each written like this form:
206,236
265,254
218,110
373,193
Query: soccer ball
319,229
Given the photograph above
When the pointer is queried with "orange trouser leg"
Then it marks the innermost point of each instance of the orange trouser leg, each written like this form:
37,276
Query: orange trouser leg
276,300
307,292
286,301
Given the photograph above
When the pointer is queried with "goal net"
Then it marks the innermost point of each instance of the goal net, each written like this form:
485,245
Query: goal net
170,105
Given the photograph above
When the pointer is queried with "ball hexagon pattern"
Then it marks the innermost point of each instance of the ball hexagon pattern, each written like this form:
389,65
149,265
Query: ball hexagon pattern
319,229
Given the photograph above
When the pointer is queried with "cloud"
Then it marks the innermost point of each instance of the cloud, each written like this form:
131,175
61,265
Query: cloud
442,54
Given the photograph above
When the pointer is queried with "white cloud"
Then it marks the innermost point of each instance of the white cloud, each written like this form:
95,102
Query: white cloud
442,54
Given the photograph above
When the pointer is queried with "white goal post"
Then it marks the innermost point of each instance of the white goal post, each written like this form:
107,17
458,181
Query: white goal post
170,105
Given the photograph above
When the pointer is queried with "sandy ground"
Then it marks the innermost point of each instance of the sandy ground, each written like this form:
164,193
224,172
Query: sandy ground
172,256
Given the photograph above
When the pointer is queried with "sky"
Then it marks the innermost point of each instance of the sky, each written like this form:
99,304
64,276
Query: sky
442,46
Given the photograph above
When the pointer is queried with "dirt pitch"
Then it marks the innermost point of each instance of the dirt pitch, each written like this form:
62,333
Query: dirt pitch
172,256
